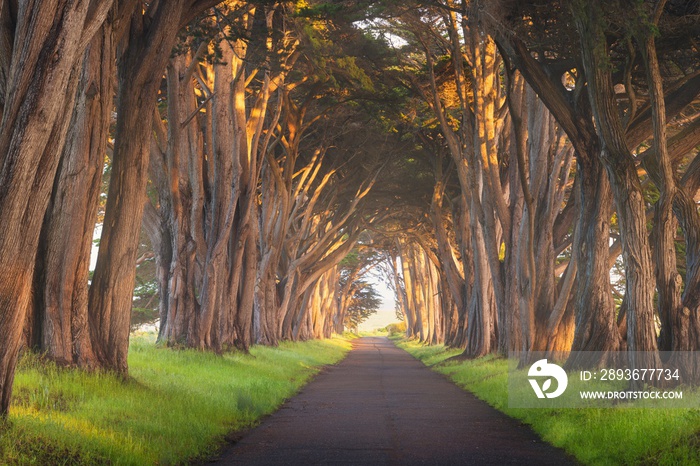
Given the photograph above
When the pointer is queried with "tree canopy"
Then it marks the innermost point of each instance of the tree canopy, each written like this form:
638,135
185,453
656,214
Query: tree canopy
524,173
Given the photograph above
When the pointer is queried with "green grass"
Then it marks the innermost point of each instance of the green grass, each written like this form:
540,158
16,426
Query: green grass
594,436
176,407
377,332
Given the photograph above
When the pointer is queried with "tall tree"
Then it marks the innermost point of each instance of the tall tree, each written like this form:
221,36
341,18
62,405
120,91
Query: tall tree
39,66
596,328
560,76
207,167
141,61
619,164
59,317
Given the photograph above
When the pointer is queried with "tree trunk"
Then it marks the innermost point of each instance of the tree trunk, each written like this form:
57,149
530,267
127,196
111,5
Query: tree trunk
178,255
596,328
36,108
490,204
482,313
61,277
140,67
412,324
622,173
452,270
511,328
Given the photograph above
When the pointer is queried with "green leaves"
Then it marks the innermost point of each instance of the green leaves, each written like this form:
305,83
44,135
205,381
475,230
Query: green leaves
318,11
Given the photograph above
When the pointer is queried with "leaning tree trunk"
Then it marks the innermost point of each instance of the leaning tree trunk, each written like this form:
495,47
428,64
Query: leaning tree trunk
622,173
452,275
668,280
594,308
489,205
60,313
37,100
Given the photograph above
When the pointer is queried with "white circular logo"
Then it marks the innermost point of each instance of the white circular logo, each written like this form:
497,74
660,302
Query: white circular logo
548,371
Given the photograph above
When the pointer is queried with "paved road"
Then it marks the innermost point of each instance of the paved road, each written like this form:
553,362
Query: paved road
380,406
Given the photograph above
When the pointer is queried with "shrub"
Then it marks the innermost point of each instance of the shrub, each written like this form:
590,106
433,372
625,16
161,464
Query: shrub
398,328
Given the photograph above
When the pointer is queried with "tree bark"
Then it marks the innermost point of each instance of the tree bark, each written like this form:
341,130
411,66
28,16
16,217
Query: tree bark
596,328
60,311
482,312
176,181
49,37
680,327
452,268
619,164
140,66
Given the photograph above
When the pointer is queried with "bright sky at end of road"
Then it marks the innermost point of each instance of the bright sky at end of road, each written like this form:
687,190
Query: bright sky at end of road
386,314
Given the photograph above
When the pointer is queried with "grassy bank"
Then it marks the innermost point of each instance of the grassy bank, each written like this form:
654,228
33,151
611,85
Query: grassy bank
593,436
177,405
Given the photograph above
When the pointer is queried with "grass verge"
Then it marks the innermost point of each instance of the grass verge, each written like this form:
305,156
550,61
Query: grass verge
594,436
176,407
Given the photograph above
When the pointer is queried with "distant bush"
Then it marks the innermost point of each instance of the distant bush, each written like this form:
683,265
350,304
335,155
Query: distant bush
399,328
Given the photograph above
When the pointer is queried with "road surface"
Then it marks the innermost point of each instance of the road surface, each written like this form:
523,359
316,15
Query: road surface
380,406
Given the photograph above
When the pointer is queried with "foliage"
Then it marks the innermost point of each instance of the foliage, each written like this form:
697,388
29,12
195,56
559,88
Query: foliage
224,23
398,328
364,301
357,294
144,309
648,436
177,405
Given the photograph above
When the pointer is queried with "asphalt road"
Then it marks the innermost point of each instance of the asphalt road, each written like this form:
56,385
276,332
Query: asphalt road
380,406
